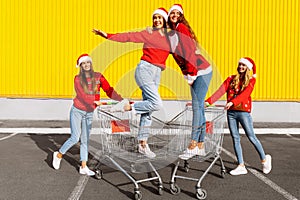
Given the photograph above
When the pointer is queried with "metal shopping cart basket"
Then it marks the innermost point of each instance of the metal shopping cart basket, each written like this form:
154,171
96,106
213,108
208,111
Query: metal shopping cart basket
119,146
215,118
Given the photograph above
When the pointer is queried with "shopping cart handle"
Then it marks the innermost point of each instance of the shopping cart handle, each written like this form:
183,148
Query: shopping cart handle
211,105
103,103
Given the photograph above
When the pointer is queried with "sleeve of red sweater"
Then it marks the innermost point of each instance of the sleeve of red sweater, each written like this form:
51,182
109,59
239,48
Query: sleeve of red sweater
87,99
187,43
220,92
137,37
245,93
110,92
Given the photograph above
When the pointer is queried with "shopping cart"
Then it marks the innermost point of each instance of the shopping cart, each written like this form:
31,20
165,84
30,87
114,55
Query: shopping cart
119,146
215,118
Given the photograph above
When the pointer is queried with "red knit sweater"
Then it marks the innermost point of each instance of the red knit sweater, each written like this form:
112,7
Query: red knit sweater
241,99
156,47
185,52
85,101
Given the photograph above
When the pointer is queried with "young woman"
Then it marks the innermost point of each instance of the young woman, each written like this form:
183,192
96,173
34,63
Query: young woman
238,89
148,72
87,86
197,71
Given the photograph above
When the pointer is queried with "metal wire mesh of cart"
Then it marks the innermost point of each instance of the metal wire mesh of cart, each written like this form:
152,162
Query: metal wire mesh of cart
119,146
215,119
182,124
118,140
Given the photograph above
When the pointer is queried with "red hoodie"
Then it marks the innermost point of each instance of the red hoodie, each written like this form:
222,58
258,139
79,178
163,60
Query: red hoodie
85,101
156,47
241,99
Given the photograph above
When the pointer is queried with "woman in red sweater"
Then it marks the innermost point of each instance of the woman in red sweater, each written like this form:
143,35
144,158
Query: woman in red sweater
196,70
238,89
87,86
148,72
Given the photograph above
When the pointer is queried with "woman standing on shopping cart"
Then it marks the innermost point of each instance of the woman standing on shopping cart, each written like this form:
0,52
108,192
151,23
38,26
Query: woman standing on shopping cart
87,86
196,70
148,72
238,89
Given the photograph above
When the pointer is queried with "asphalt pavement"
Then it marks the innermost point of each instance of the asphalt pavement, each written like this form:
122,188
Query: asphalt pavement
26,171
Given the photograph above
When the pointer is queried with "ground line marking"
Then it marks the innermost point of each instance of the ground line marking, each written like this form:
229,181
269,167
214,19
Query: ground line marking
267,181
9,136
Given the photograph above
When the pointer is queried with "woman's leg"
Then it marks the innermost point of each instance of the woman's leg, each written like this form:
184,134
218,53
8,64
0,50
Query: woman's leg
233,125
198,93
75,125
86,127
148,78
247,124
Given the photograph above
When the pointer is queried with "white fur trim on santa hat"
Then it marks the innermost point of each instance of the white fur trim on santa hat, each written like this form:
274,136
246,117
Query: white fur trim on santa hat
82,59
176,7
162,12
246,62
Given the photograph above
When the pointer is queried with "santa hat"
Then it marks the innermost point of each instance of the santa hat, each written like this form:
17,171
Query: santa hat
249,63
176,7
83,58
161,11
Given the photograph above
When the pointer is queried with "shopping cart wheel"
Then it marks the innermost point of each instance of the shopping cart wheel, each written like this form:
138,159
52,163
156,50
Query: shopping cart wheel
186,166
223,172
174,188
138,195
98,174
201,194
160,189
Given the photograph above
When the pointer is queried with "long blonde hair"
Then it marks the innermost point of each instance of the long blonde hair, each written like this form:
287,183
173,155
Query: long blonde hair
245,80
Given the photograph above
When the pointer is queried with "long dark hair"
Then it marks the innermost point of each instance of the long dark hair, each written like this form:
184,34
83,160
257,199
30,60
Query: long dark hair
181,19
84,83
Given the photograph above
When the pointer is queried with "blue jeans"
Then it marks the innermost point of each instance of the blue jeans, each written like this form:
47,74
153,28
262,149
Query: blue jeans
81,125
245,119
198,92
147,77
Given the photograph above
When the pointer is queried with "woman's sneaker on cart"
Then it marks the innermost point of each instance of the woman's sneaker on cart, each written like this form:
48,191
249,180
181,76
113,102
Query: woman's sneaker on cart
189,153
146,151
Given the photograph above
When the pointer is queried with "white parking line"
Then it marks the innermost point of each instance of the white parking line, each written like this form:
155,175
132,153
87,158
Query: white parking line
294,138
9,136
76,194
264,179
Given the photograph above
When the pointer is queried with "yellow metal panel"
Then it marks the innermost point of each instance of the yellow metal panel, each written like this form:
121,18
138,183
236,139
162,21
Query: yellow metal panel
41,40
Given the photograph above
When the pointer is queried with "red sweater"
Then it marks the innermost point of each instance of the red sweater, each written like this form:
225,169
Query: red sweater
241,99
156,47
85,101
185,55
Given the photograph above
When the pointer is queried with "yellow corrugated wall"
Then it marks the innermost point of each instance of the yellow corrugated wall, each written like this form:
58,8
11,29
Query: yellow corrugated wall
41,40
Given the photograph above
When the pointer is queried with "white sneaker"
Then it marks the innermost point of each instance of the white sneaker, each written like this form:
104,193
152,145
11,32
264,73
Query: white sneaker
119,107
189,153
201,152
86,171
239,171
56,161
146,151
267,166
